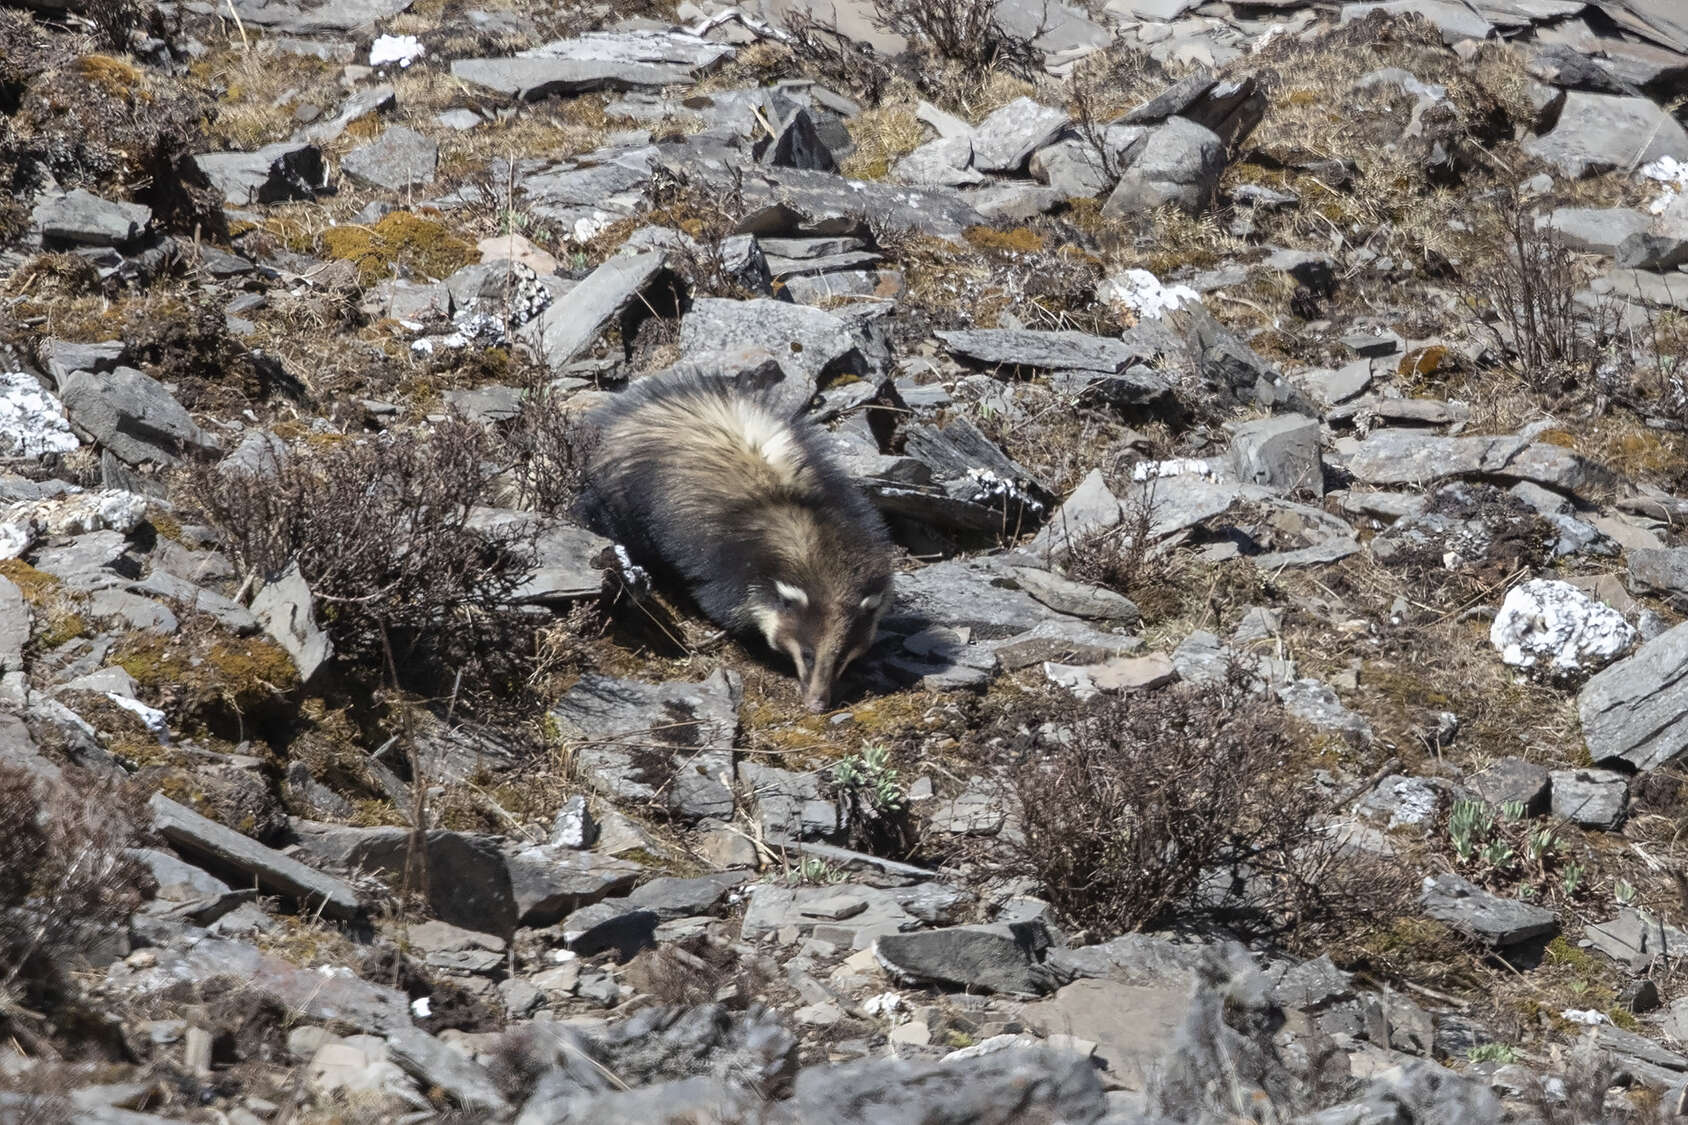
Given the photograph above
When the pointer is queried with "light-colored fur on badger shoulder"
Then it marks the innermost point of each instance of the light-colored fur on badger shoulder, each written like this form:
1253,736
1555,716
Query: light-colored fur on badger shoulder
704,484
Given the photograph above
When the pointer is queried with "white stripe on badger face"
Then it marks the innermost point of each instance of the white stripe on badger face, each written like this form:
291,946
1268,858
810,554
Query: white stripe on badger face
873,601
793,594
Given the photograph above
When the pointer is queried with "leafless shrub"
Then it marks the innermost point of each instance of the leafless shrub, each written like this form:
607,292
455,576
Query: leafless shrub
835,57
1129,805
65,877
697,970
381,531
1526,300
547,447
708,217
969,32
1119,557
118,21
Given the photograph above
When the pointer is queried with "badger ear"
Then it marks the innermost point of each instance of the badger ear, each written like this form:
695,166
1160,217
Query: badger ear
792,595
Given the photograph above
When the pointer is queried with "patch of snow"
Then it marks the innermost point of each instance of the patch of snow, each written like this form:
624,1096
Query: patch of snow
1142,293
401,49
1670,172
151,716
1544,620
420,1008
988,485
1177,467
1588,1017
883,1004
32,421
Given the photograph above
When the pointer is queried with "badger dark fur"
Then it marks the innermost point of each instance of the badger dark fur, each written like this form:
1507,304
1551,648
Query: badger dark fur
705,485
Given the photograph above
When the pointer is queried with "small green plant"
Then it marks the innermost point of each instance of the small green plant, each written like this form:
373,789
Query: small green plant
1469,824
1570,880
813,872
1493,1052
1624,891
871,775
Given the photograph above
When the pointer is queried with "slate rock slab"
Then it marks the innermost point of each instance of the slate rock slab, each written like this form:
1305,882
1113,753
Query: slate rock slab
1000,958
1636,710
1591,798
595,61
82,218
1495,921
1599,132
1007,137
807,341
668,744
1413,457
399,158
197,835
273,174
1179,163
571,324
131,414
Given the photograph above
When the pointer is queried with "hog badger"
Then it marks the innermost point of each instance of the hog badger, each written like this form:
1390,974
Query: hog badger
706,486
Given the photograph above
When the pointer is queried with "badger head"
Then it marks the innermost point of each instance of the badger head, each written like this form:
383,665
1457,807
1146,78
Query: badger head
822,624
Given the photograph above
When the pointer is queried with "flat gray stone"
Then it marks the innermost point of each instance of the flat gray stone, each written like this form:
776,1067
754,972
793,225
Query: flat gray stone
283,606
1280,453
807,342
1045,351
1591,798
999,958
132,415
572,323
563,569
1637,709
858,912
550,882
188,831
1007,137
1661,290
618,60
1509,780
305,17
84,219
1601,132
1663,570
273,174
1013,1084
667,744
1497,922
229,614
1411,457
400,158
1315,702
1076,599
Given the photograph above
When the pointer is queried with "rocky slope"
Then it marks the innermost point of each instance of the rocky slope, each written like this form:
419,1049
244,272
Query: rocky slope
1279,410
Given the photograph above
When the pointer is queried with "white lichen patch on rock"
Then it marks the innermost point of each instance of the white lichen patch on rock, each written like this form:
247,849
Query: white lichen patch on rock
32,421
1545,622
25,523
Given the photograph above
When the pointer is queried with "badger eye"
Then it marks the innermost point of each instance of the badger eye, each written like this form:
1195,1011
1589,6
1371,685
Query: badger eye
791,595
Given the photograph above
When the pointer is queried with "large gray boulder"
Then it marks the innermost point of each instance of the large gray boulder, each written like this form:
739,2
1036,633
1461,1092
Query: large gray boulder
273,174
131,414
83,218
399,158
1599,132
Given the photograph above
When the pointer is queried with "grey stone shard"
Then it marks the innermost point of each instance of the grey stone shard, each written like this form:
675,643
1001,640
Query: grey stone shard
1413,457
667,744
1075,599
132,415
1601,132
305,17
1179,163
284,608
1663,570
805,341
1046,351
550,882
1497,922
943,162
1592,798
1512,779
1007,137
564,568
574,322
595,61
84,219
1280,453
273,174
1000,958
1636,710
189,832
398,159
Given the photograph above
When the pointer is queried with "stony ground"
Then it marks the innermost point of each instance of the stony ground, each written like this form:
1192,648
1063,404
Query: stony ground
1277,406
